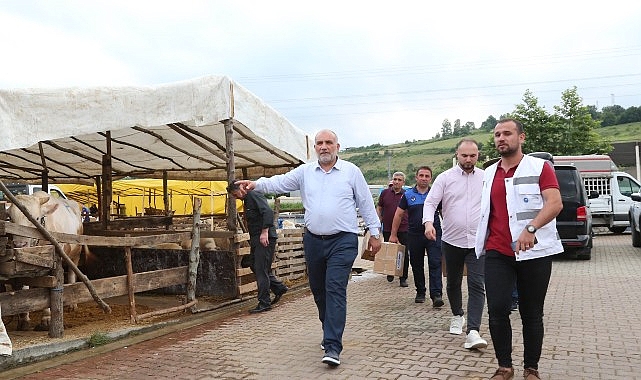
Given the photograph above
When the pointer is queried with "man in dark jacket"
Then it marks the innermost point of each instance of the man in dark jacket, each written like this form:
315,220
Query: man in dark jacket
262,240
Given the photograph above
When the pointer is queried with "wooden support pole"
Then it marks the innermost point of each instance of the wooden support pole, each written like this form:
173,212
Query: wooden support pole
232,222
194,254
56,302
131,285
165,311
165,194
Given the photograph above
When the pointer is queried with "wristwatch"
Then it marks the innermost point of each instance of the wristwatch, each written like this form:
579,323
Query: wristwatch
530,228
377,236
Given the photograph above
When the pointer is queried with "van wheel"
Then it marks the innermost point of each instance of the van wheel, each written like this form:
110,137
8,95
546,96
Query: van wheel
617,230
636,237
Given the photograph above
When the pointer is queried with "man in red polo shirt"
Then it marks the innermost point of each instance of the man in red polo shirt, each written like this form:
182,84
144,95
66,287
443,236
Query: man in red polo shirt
517,234
386,207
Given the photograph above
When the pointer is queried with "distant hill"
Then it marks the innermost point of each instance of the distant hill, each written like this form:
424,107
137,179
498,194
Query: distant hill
375,160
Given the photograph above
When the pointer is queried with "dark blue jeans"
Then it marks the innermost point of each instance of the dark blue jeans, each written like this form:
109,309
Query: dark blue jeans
456,259
402,238
261,265
417,244
532,278
329,263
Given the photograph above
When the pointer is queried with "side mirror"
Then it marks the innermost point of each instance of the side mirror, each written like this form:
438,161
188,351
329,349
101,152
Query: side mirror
636,197
593,194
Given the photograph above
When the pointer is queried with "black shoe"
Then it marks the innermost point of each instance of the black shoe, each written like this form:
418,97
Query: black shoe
277,296
390,278
420,298
331,359
437,301
404,283
260,309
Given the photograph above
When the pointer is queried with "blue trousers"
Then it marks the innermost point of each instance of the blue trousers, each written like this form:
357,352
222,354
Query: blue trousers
417,244
329,263
532,278
456,259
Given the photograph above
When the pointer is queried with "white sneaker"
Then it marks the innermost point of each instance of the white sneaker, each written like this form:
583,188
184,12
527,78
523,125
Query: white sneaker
474,340
456,325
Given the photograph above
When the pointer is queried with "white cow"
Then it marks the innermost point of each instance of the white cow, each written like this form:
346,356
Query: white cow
56,215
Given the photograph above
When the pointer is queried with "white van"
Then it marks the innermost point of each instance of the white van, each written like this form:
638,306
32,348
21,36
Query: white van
601,176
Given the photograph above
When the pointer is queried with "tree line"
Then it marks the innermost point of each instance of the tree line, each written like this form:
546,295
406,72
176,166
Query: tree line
571,129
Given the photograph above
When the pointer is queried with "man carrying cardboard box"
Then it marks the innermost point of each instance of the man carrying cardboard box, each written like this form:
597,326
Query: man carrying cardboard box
412,203
386,208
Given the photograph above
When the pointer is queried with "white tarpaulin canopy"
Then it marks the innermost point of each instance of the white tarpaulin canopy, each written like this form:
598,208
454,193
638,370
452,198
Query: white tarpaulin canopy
177,128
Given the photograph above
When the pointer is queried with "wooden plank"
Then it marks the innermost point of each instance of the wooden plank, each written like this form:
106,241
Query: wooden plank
217,234
40,282
241,237
242,289
242,251
41,261
240,272
27,300
14,268
112,241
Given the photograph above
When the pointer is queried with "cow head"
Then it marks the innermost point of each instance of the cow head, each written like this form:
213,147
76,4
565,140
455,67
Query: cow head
38,206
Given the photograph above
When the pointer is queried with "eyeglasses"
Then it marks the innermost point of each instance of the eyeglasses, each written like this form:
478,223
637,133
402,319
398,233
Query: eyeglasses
398,179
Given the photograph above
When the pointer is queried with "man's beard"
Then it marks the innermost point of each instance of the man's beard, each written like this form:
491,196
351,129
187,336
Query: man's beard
326,158
508,151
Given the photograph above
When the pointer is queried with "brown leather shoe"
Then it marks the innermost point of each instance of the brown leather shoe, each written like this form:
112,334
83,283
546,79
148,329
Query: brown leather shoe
503,373
531,374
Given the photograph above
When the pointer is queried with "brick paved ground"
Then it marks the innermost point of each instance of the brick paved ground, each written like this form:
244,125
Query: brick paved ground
592,332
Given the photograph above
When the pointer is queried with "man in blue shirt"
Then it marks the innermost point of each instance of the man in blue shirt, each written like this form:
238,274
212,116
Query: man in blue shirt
331,190
412,202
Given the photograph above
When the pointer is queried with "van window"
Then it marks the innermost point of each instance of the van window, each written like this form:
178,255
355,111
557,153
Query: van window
627,186
567,183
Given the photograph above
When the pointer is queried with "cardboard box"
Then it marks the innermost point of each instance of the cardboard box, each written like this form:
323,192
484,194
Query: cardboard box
390,259
366,254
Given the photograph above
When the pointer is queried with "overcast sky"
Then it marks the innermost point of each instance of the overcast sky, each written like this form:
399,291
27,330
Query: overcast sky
374,74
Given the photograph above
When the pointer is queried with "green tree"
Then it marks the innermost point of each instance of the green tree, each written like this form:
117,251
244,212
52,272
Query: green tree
457,128
610,115
576,127
541,131
489,123
446,129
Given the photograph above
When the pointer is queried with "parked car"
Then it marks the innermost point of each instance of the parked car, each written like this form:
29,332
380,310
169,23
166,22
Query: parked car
574,222
635,219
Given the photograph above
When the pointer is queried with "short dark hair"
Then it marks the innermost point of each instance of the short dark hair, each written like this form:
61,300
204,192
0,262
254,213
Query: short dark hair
519,125
424,168
232,186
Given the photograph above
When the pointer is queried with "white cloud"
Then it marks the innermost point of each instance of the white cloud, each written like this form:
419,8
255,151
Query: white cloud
359,68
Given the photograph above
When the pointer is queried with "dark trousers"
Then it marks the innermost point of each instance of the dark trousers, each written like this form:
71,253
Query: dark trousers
329,263
261,258
417,245
402,238
456,259
532,278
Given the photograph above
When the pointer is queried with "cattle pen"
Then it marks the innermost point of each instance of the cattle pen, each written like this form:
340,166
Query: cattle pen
126,267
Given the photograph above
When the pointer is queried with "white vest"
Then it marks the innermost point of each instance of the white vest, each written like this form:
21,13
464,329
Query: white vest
524,201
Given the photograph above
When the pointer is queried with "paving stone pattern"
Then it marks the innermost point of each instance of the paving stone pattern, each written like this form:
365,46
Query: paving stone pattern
592,332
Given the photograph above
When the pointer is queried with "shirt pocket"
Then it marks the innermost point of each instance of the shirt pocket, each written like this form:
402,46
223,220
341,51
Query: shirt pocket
529,197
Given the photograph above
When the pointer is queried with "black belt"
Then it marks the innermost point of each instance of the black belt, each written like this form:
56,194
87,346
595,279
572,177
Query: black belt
326,237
